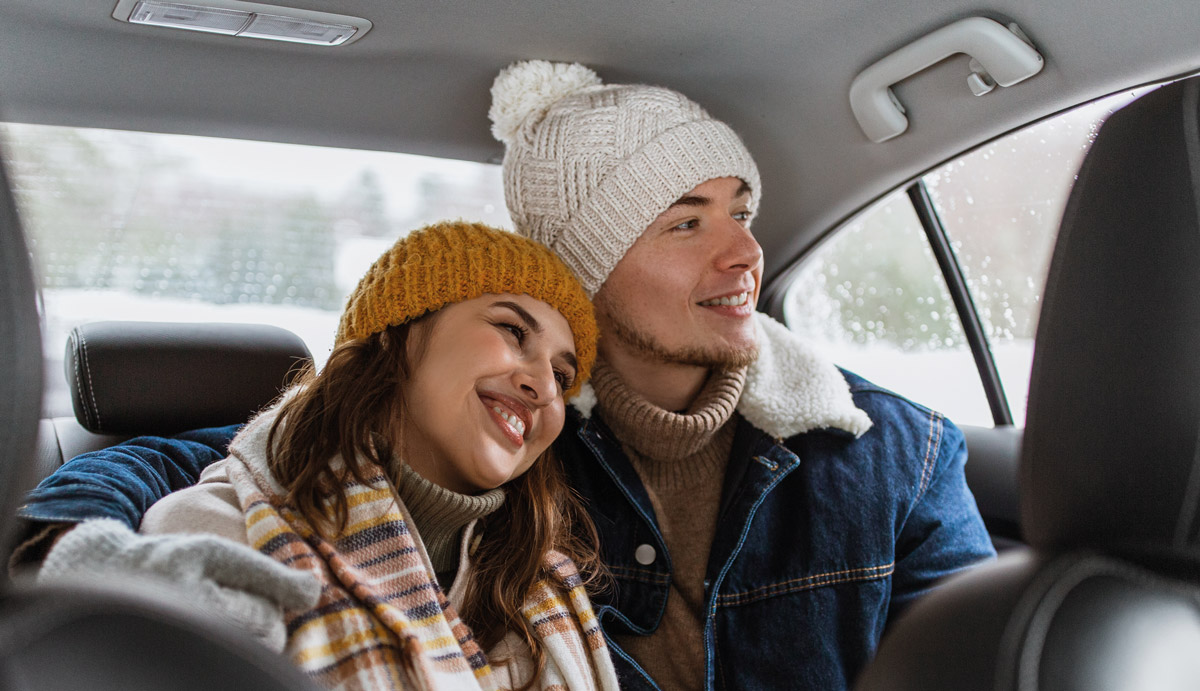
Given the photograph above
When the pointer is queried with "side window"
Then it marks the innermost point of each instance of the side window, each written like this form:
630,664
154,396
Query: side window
875,298
1001,206
872,298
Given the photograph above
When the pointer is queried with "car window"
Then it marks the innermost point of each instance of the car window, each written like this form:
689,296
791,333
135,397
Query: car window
1001,206
152,227
874,297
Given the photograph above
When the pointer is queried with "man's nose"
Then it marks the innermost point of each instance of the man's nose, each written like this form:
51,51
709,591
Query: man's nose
741,251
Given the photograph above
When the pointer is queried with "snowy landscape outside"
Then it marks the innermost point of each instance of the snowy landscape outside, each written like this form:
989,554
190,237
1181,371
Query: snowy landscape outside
152,227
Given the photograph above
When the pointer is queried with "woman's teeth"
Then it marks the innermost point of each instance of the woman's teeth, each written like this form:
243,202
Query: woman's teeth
734,301
511,419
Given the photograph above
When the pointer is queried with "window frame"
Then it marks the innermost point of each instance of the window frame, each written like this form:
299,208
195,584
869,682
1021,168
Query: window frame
951,272
964,304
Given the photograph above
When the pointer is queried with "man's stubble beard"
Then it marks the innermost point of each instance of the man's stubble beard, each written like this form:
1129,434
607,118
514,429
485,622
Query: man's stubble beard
726,359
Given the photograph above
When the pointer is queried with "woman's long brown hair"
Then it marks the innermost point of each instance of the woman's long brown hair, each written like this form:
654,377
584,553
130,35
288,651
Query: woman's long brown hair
353,409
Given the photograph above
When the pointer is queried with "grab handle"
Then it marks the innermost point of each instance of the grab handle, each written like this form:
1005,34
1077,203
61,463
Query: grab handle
999,55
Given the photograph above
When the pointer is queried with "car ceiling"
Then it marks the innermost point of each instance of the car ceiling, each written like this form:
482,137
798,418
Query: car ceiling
778,71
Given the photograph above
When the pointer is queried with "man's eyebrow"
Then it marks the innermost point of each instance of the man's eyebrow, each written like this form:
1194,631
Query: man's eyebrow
690,200
698,200
525,316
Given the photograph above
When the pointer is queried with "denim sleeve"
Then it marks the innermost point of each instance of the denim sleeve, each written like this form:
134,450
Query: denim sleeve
944,532
122,481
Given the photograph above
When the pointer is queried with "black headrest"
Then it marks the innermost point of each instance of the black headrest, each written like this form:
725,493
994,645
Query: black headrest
162,378
1111,454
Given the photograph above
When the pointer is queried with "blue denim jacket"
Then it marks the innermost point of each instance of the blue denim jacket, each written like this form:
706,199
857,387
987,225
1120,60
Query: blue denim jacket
122,481
822,539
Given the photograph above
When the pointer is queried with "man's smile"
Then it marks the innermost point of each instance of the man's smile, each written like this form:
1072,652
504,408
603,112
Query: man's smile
734,300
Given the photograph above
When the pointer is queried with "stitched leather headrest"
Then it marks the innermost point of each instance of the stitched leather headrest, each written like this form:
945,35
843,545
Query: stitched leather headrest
1112,437
164,378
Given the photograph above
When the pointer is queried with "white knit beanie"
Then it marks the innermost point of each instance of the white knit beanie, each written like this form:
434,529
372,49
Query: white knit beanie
588,166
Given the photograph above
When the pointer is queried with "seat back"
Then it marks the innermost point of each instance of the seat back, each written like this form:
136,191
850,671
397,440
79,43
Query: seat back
20,366
1110,452
1109,595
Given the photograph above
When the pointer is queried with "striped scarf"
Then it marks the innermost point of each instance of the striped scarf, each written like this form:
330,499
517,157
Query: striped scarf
382,621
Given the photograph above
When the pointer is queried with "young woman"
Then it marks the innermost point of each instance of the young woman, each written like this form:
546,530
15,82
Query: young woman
412,477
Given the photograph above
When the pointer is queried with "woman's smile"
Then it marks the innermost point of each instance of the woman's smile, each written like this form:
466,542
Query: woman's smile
509,414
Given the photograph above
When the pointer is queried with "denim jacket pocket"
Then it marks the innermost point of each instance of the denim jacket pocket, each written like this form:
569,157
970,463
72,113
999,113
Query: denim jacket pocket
810,625
810,582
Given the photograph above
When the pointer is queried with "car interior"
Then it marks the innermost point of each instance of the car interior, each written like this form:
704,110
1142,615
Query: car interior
1092,500
1107,596
94,635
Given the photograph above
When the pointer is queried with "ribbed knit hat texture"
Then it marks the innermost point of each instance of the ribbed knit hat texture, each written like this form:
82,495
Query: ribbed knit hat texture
451,262
588,166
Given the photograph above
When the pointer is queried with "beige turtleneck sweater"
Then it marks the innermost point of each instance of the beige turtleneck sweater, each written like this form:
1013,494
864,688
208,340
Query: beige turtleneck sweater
681,459
441,515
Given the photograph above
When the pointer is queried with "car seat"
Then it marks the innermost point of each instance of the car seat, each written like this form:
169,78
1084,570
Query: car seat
1107,598
125,378
92,636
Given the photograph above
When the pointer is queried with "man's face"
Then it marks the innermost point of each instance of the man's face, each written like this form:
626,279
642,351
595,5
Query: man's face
685,292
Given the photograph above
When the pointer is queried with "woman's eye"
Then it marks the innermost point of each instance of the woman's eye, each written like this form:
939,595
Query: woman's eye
742,216
564,379
518,331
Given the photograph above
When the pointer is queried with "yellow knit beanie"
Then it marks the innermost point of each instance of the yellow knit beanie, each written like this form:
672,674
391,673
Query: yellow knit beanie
451,262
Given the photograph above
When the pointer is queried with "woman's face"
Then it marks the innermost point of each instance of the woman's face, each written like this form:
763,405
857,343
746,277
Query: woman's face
486,395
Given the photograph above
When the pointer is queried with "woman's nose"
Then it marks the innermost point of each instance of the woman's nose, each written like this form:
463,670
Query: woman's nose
536,381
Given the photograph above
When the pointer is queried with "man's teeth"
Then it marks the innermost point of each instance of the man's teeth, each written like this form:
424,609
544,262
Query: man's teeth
734,301
513,420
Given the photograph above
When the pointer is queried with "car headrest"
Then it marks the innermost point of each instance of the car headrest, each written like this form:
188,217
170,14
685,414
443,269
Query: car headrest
20,367
1111,455
163,378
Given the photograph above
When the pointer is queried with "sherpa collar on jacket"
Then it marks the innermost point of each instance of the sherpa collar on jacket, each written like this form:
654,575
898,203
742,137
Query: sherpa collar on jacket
790,388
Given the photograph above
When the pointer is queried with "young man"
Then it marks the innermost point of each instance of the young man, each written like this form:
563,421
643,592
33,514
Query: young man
763,514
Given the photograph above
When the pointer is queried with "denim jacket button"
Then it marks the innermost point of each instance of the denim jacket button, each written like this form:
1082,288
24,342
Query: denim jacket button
645,555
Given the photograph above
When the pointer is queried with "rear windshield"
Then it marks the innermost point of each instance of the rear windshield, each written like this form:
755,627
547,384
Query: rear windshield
153,227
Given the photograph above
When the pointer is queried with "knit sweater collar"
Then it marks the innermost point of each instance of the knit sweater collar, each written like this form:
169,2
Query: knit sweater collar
441,514
671,449
789,389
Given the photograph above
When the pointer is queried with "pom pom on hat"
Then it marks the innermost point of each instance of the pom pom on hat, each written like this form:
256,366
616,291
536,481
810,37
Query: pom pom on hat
530,87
